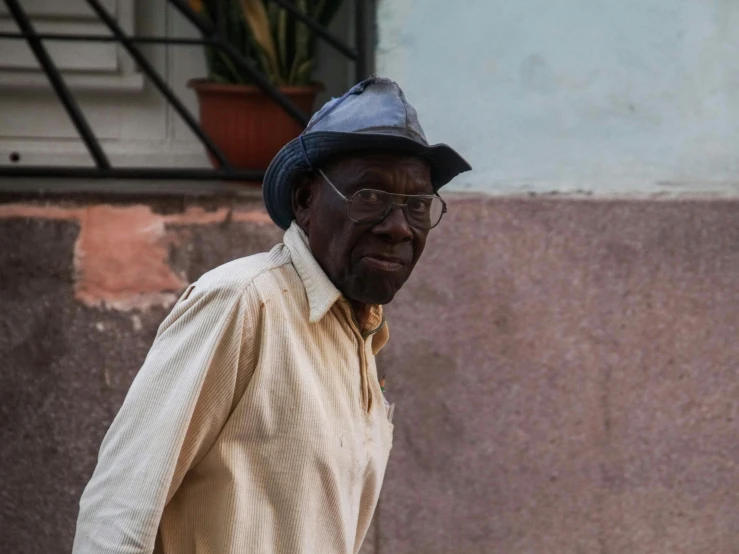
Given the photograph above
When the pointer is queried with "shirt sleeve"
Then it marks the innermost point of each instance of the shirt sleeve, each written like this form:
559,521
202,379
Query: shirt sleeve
193,376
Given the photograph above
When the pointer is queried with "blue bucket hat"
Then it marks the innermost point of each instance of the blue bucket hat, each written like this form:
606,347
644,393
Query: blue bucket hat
372,115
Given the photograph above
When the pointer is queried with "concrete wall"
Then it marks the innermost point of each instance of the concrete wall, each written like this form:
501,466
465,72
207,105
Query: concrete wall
83,288
605,96
564,370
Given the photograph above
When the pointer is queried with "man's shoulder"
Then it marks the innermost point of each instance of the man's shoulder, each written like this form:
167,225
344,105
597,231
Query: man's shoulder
238,274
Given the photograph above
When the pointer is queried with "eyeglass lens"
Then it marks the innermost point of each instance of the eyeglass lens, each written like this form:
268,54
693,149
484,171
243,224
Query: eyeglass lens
422,212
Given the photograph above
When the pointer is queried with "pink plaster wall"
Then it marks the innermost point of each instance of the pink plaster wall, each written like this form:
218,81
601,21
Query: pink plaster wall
565,371
566,379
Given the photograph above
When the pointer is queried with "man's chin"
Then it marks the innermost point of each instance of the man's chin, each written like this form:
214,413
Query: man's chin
375,292
380,299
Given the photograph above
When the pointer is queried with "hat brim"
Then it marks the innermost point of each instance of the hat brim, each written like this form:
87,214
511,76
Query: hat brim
445,163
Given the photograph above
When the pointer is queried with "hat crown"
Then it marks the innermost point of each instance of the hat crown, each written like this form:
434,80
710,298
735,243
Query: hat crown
373,115
375,105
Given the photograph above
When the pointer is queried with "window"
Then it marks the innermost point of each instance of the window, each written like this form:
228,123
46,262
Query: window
86,65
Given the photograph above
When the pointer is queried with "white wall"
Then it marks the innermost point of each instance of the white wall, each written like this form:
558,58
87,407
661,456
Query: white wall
603,96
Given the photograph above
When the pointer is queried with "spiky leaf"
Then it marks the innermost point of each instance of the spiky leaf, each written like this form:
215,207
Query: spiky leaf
281,47
303,44
282,42
304,73
256,18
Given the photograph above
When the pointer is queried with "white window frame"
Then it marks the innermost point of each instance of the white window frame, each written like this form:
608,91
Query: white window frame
98,66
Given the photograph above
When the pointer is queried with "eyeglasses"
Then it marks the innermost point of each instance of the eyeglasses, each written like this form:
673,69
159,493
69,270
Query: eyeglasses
422,211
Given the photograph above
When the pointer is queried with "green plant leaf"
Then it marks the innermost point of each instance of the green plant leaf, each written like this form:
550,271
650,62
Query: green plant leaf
282,41
217,78
268,67
209,52
280,47
303,44
256,17
234,75
304,73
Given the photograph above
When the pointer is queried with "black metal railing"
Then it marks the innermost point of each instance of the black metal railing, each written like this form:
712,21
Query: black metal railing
360,53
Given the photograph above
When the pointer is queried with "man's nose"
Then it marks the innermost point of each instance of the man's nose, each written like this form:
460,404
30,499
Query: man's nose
394,227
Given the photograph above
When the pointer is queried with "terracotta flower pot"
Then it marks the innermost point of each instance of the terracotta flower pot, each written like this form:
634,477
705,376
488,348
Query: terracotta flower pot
248,126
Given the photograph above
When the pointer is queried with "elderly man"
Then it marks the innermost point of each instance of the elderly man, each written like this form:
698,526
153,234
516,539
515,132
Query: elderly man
257,423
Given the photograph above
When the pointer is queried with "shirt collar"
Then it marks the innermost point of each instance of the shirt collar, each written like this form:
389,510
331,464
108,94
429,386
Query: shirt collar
381,333
322,294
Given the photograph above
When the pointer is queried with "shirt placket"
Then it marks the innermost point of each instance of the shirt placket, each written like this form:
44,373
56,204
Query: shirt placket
363,344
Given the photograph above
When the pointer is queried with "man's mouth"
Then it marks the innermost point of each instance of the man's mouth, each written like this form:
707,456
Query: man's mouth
384,262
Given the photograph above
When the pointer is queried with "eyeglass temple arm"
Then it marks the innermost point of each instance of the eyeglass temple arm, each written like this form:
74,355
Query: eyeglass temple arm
337,191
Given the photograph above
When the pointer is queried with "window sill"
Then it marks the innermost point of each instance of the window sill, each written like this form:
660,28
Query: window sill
21,80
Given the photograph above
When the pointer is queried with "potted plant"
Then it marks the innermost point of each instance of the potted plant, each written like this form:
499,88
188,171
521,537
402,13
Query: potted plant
248,126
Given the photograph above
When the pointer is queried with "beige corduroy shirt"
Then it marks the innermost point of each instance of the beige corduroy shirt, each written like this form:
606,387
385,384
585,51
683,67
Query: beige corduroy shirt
256,424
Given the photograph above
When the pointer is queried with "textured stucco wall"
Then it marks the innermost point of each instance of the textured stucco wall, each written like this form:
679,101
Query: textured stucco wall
564,370
630,96
566,381
83,289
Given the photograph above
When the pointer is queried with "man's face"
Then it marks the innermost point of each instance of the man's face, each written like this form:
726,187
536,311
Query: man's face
368,263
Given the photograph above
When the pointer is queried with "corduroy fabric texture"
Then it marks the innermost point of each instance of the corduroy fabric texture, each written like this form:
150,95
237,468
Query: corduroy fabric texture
256,423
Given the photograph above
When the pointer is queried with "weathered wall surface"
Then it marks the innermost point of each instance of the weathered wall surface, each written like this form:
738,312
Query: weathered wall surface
629,96
82,292
566,380
564,370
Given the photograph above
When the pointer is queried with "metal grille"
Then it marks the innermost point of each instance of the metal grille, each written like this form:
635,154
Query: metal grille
360,54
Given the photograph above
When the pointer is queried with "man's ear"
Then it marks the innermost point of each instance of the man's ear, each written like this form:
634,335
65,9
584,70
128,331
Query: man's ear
303,200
